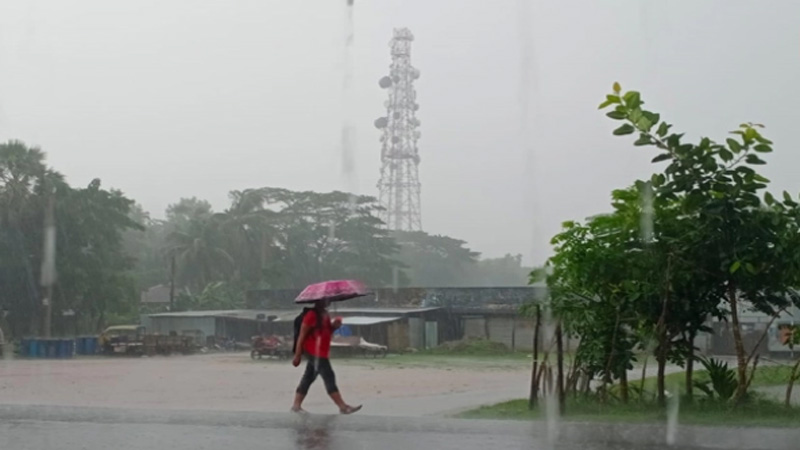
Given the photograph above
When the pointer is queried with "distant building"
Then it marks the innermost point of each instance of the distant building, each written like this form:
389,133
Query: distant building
396,328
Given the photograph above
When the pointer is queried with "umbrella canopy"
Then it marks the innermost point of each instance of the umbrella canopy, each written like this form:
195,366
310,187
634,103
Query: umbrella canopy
335,291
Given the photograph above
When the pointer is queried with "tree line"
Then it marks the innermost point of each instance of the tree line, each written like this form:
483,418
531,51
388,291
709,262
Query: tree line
109,249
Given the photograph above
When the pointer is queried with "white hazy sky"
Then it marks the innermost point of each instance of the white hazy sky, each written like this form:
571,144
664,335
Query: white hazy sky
177,98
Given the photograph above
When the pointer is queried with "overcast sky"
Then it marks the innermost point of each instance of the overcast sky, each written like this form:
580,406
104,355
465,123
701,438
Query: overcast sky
177,98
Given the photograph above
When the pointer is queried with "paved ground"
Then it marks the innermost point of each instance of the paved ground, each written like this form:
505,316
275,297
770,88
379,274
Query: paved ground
220,401
232,382
408,387
73,428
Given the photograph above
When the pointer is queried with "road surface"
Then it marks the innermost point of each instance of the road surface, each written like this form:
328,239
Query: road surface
74,428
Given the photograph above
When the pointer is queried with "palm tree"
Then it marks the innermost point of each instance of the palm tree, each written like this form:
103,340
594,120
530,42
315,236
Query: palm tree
250,230
199,254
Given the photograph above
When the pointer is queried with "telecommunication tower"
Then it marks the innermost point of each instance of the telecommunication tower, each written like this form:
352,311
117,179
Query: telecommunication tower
399,185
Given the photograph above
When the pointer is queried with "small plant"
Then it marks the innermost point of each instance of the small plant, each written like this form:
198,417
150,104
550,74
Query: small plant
722,382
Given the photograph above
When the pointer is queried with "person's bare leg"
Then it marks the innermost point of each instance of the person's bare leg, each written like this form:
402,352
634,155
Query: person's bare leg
298,402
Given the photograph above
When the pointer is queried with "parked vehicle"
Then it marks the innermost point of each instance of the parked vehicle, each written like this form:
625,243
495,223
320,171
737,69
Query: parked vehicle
123,340
132,340
271,346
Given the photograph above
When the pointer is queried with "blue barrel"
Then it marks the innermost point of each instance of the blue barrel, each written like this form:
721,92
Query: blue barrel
69,345
61,348
52,348
41,348
91,345
24,347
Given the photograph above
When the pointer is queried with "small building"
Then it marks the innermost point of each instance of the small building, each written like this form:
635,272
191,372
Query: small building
759,332
479,312
396,328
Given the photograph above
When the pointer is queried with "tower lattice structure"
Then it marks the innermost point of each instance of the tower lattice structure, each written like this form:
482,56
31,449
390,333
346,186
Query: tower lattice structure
399,184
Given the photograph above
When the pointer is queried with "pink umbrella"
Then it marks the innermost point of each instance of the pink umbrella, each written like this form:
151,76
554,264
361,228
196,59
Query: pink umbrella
334,291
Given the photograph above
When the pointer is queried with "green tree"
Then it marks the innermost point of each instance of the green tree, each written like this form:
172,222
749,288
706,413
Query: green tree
187,210
745,247
93,278
200,253
329,235
507,271
435,260
146,246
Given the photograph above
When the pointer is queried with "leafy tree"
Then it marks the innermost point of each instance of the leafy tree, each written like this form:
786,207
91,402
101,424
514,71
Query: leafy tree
745,247
215,296
146,246
329,235
595,289
435,260
187,210
199,250
92,268
507,271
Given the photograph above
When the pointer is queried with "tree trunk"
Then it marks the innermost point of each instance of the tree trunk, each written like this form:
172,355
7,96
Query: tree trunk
690,368
644,375
662,365
663,339
741,356
792,378
607,374
562,399
535,370
623,386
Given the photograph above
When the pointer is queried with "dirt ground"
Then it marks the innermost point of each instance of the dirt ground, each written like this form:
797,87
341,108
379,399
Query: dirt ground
233,382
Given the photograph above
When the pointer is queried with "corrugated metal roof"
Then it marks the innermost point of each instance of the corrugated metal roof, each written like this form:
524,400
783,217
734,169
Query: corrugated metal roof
196,313
282,315
363,320
396,311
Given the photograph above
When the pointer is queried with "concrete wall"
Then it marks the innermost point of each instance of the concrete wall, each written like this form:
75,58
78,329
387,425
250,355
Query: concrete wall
513,331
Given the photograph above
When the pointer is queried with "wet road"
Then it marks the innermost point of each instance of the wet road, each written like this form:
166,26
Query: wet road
43,428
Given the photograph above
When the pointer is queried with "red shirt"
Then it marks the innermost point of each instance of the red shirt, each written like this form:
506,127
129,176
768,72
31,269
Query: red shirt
318,341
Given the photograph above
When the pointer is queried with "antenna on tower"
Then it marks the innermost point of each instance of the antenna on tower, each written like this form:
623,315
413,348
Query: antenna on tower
399,184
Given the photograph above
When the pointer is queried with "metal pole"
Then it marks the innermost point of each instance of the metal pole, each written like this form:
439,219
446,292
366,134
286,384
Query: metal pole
48,274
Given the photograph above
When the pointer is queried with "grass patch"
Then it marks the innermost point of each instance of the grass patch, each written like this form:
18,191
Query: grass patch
766,376
757,412
470,353
776,375
511,361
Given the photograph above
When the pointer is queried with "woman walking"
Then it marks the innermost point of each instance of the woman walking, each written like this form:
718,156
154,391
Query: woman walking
314,340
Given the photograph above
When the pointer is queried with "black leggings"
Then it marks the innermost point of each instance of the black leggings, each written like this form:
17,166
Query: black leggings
318,366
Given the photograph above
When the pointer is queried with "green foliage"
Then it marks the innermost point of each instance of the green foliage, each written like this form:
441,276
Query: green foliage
435,260
755,412
721,383
745,248
92,267
215,296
